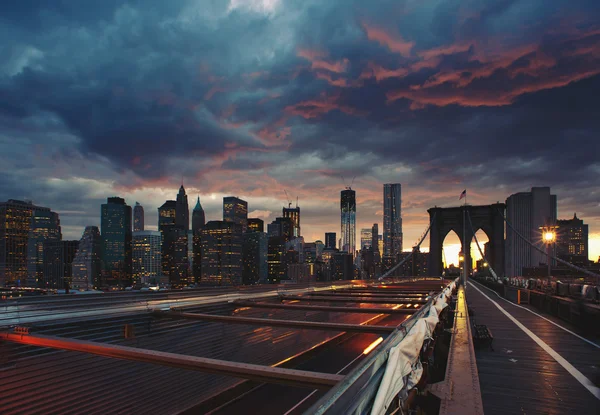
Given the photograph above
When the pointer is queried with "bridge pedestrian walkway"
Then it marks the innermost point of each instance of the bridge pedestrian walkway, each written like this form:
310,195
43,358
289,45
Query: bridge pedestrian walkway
538,366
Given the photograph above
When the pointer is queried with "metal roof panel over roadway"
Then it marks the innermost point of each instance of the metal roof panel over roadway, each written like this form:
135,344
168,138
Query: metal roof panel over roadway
259,373
379,310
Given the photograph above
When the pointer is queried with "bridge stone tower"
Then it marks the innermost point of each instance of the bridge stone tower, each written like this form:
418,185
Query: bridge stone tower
487,218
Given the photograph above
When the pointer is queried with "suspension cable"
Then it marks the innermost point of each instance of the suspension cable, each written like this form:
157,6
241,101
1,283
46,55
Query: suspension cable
479,248
399,264
562,261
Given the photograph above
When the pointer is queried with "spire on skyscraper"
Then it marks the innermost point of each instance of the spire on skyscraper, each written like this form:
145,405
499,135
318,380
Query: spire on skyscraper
198,205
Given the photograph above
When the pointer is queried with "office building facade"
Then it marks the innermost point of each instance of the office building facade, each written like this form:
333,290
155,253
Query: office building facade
348,217
572,241
330,240
146,257
254,253
294,215
235,210
45,226
527,212
115,226
58,264
138,217
366,238
221,253
174,248
87,264
15,221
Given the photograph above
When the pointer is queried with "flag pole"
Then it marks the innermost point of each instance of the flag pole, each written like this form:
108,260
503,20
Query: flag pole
465,241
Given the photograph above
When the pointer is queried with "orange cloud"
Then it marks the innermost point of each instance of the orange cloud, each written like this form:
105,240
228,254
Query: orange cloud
317,107
319,60
394,43
380,73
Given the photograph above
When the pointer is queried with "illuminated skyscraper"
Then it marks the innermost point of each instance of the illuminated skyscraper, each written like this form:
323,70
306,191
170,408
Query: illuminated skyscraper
572,241
87,264
15,221
138,217
45,226
146,257
294,215
174,249
221,253
254,251
235,210
116,241
348,214
392,220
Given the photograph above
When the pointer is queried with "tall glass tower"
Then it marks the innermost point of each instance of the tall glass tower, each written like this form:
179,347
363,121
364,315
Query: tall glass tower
348,213
392,220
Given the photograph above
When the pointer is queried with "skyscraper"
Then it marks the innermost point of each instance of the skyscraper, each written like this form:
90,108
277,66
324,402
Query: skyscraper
572,241
87,264
235,210
254,252
527,212
174,249
392,220
45,226
182,210
198,222
138,217
116,241
256,225
375,241
221,253
58,263
15,220
348,215
330,240
294,215
146,257
365,238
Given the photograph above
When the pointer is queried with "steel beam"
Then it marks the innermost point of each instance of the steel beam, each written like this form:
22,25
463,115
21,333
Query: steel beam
246,303
374,294
313,325
366,300
292,377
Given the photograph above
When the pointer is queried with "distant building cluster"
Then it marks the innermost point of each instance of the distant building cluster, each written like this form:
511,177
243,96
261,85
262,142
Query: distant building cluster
236,250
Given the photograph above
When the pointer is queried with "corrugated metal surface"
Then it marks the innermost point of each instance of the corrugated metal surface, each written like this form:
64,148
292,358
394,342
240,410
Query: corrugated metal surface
35,380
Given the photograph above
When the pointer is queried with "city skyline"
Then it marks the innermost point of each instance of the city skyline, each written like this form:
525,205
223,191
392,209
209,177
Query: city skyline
478,103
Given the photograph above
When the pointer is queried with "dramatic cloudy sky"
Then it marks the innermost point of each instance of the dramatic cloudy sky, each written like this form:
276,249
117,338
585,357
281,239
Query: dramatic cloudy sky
251,97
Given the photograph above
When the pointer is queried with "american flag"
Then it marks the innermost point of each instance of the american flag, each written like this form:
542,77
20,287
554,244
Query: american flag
463,194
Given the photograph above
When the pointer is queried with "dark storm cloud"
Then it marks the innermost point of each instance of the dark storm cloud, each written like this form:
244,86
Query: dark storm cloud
486,93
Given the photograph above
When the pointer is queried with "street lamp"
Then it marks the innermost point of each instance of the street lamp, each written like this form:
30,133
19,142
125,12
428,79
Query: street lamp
549,237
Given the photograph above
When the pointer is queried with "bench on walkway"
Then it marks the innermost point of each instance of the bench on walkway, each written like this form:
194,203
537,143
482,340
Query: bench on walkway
482,335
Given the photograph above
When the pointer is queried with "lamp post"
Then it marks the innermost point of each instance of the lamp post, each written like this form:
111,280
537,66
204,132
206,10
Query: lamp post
549,237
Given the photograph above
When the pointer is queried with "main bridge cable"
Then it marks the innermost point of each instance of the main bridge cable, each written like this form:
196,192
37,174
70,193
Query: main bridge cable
479,248
562,261
409,256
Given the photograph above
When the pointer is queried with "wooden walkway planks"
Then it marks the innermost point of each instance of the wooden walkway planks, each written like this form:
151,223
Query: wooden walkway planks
532,382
